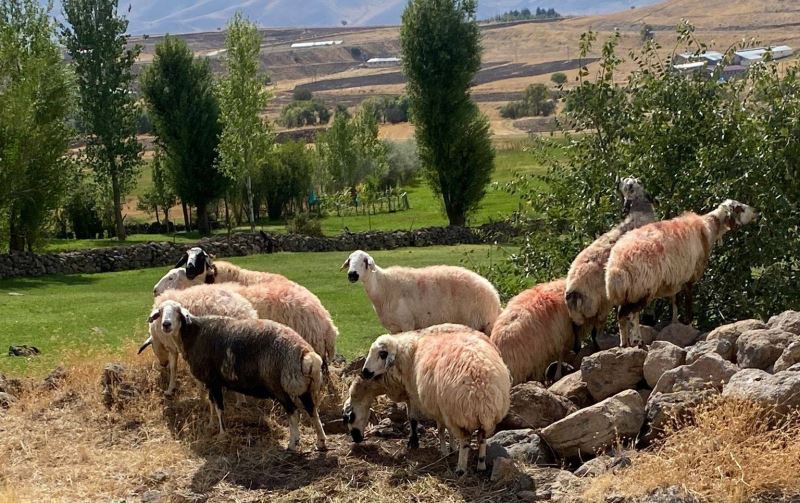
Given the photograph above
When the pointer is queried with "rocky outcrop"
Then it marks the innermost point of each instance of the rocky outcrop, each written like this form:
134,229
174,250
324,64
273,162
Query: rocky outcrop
608,372
679,334
662,356
533,406
781,390
760,349
574,389
709,371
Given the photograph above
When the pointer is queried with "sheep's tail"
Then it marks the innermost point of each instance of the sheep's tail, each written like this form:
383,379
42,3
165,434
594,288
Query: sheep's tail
312,369
148,342
574,300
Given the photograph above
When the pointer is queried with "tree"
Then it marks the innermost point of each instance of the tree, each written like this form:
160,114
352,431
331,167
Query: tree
179,91
161,194
559,78
245,138
98,46
441,54
647,33
36,98
286,177
535,102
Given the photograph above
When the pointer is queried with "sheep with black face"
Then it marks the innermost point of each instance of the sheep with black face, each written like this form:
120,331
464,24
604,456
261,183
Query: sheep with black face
259,358
451,374
406,298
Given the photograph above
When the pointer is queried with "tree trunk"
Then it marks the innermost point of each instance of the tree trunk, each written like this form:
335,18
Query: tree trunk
250,200
227,216
186,222
158,221
119,225
202,219
16,241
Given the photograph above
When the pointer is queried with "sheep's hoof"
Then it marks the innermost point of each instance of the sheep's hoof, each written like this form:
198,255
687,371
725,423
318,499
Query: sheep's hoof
291,448
460,472
321,446
413,443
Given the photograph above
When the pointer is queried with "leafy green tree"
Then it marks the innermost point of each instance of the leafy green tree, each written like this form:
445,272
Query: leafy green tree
351,151
95,38
441,53
179,91
160,195
36,99
535,102
285,177
305,113
559,78
245,139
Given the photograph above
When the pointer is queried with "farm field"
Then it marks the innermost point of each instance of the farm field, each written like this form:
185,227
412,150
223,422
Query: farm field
77,315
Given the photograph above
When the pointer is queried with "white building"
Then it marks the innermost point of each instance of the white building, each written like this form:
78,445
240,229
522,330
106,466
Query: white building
749,56
323,43
378,62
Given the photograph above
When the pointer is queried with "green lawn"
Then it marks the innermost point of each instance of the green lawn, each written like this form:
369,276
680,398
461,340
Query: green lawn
425,209
102,312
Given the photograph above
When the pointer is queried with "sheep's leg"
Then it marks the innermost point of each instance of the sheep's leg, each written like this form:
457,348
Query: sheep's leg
173,373
622,319
636,334
443,449
215,396
463,453
294,430
481,450
311,408
453,442
413,441
688,292
674,300
211,411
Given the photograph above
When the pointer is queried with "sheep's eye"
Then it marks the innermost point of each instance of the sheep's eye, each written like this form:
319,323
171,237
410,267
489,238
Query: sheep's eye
383,354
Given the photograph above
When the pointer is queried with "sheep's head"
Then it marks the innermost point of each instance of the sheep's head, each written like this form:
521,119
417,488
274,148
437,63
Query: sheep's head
381,357
356,411
172,316
632,190
358,264
175,279
196,261
738,214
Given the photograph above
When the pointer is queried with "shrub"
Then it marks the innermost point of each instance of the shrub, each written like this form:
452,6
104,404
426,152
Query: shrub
304,113
304,224
535,102
559,78
301,94
404,164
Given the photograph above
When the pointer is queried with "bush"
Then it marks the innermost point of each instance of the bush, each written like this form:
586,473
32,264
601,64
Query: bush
559,78
695,142
536,102
304,224
403,161
301,94
304,113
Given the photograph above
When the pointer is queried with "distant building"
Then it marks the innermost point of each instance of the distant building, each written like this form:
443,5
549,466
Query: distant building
378,62
693,67
747,57
323,43
712,57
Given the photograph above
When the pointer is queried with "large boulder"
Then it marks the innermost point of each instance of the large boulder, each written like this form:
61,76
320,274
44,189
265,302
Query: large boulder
679,334
589,430
603,464
781,390
789,357
533,406
728,335
760,349
723,347
574,389
662,356
708,371
608,372
648,334
520,445
788,321
663,409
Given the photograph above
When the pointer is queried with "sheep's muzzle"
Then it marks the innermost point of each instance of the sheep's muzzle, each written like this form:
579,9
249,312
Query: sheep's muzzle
352,276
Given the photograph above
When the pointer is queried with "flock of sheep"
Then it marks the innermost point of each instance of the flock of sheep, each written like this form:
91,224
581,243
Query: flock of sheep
452,353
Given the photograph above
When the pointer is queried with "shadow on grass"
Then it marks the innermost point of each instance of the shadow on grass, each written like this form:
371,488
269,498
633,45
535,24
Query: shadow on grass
14,284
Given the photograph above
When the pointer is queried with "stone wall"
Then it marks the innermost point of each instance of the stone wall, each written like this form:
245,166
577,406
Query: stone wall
163,253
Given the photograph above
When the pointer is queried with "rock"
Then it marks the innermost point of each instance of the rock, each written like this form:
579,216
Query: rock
760,349
574,389
645,394
396,412
608,372
115,390
781,390
730,334
663,408
533,406
602,464
648,334
527,496
723,347
671,494
355,366
789,357
159,476
524,446
788,321
708,371
793,368
3,383
504,471
23,350
387,429
588,430
556,484
54,378
6,400
662,356
679,334
606,341
153,497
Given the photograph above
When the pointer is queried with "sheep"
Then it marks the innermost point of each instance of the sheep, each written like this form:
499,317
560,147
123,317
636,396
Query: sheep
411,299
586,289
258,358
202,299
452,375
277,299
662,258
534,330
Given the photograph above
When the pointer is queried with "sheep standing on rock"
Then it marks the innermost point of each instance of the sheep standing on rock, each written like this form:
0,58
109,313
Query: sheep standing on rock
406,298
258,358
586,288
534,330
452,375
203,300
662,258
275,298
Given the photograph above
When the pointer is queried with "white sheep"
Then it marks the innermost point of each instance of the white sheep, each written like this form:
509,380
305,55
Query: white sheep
275,298
662,258
533,331
586,288
407,298
258,358
452,375
203,300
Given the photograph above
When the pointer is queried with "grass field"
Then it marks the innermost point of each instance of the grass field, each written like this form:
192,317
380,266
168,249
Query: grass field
83,313
426,210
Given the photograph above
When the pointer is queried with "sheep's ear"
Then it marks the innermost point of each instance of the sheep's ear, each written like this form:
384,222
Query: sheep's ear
154,315
371,264
183,260
346,264
211,274
390,360
145,344
186,316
